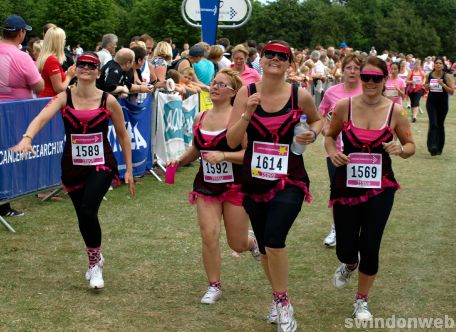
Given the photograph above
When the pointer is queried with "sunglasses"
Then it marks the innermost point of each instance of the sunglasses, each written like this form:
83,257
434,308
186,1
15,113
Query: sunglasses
375,78
221,85
83,64
268,54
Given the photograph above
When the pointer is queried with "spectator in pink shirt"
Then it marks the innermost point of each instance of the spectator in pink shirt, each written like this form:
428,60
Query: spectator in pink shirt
18,74
247,74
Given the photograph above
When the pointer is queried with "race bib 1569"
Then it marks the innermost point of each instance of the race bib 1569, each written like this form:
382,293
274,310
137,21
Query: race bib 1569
364,170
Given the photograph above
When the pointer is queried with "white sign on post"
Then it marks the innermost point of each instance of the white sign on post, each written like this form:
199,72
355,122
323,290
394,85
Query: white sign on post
234,12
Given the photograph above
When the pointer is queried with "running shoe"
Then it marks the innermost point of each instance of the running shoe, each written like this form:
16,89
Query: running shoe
286,321
12,213
341,276
271,318
95,275
330,239
212,295
255,250
361,311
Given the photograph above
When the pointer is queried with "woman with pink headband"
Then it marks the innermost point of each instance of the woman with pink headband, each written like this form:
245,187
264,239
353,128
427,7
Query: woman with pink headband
274,179
88,164
362,192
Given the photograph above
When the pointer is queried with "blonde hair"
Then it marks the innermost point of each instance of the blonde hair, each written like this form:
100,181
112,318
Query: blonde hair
240,48
215,53
37,45
233,77
187,70
53,44
164,50
138,43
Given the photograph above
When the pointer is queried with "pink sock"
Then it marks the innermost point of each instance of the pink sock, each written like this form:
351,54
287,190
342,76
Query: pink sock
217,284
361,296
94,256
281,297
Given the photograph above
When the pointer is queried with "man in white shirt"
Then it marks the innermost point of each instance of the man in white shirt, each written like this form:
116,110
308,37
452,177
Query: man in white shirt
108,48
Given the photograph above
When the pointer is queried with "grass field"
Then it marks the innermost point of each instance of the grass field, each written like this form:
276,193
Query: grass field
154,275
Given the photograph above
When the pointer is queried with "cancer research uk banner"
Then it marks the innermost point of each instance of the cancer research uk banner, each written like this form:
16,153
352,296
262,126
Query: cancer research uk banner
138,121
22,175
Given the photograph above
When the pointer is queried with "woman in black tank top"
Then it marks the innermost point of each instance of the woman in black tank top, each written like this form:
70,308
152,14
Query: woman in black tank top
88,166
274,179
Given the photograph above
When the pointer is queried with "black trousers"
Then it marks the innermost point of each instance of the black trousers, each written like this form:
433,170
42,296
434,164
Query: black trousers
359,229
86,201
437,109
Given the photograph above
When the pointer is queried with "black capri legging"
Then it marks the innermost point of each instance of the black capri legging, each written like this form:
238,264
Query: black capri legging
272,220
86,201
415,98
359,228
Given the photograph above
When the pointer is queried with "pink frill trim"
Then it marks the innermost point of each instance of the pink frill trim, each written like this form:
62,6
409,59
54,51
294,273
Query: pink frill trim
233,195
350,201
267,196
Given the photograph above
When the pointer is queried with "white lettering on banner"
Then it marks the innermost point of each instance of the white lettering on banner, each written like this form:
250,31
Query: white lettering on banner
41,150
137,140
174,120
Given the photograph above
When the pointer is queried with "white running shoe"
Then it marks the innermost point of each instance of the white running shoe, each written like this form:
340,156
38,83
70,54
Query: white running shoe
361,311
212,295
341,276
255,250
330,240
271,318
94,275
286,321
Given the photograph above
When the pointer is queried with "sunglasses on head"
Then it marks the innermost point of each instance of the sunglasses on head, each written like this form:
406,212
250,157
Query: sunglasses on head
268,54
375,78
83,64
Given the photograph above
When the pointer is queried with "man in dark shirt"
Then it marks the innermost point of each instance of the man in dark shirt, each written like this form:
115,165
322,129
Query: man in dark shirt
117,75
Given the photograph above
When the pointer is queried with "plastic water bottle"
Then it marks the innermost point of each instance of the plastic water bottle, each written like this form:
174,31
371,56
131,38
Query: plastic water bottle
300,128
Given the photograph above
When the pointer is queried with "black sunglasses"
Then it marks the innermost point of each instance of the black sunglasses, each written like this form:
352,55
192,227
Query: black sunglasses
90,65
367,77
271,54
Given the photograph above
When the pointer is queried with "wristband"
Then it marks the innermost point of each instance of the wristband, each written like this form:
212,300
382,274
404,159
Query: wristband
315,133
243,117
25,135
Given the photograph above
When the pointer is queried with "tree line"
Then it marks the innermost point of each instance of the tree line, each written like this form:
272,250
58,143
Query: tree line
421,27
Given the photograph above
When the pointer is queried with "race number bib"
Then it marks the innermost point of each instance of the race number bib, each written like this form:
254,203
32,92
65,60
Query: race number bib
391,91
434,85
269,160
364,170
219,173
87,149
417,80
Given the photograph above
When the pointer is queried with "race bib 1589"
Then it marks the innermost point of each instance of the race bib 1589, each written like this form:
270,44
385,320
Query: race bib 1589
87,149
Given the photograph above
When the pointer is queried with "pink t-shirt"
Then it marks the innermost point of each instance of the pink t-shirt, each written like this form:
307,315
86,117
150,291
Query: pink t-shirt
391,91
18,73
249,75
330,99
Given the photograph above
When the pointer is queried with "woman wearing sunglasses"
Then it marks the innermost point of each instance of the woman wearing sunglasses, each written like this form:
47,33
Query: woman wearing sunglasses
362,192
349,88
216,189
88,164
440,85
274,179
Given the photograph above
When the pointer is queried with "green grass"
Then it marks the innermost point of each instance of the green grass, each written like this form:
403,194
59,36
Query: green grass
154,275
